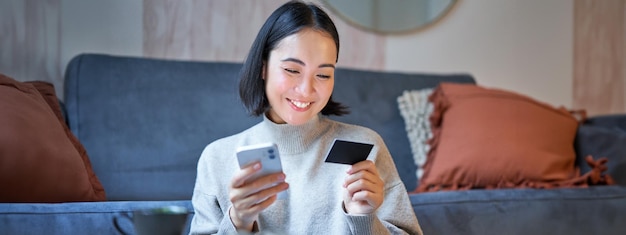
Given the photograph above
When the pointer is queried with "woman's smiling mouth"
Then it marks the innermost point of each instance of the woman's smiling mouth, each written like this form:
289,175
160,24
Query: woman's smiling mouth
300,104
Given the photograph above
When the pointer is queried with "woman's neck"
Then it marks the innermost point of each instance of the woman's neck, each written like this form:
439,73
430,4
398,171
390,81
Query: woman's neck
294,139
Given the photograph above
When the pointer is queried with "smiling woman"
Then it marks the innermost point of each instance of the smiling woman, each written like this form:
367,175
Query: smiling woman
299,81
387,17
288,79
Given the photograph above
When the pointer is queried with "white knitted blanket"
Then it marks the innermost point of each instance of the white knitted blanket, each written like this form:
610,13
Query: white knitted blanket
415,109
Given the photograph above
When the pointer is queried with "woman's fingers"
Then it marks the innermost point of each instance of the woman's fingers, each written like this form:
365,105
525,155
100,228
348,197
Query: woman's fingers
244,174
364,188
366,165
363,176
250,195
258,196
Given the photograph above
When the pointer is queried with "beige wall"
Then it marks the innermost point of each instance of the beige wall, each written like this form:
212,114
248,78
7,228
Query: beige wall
521,45
539,48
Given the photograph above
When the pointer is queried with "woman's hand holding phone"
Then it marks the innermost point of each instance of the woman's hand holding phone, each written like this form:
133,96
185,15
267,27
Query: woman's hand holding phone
250,195
255,186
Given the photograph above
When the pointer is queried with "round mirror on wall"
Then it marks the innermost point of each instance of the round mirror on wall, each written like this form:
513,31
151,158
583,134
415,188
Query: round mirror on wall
389,17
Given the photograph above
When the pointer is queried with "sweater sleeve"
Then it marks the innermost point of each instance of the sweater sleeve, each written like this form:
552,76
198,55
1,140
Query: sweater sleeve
395,215
210,217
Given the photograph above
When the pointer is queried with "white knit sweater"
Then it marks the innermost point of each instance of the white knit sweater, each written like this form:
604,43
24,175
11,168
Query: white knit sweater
314,200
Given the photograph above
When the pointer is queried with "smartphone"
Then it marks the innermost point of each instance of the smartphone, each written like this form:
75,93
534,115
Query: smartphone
348,152
265,153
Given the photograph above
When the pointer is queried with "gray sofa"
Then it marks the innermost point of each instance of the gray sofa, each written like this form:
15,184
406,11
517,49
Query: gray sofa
144,123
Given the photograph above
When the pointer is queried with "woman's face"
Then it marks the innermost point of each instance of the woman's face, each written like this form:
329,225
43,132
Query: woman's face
299,76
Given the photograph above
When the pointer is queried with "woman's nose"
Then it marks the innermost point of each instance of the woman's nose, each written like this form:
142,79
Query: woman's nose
305,86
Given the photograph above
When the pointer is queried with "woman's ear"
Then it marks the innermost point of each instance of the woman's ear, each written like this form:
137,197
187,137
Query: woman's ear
263,73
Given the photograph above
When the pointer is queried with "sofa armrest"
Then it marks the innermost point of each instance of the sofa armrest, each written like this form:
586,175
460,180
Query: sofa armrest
603,137
610,121
77,217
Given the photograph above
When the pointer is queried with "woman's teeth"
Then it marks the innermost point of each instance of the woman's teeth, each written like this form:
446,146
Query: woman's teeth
300,104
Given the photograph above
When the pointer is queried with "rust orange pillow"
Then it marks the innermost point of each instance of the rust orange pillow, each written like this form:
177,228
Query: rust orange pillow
490,138
38,161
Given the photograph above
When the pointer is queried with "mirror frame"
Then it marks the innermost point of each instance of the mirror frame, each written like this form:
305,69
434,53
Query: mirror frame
453,4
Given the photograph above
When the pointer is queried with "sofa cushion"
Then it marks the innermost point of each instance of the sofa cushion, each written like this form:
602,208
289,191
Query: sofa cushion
144,122
38,161
571,211
490,138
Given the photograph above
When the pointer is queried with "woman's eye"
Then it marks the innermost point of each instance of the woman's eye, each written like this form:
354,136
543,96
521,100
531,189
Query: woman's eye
323,76
291,71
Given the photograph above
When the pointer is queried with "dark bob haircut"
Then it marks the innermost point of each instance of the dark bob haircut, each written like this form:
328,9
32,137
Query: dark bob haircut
288,19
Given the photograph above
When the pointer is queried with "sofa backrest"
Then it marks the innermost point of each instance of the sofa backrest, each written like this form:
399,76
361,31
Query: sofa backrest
144,122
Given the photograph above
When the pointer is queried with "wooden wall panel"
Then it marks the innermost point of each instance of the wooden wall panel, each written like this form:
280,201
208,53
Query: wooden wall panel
224,31
202,30
599,56
358,48
30,40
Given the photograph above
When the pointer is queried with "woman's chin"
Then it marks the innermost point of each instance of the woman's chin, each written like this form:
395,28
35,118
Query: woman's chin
298,120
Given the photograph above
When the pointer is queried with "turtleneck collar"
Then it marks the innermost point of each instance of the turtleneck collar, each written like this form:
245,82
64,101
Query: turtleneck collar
292,139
